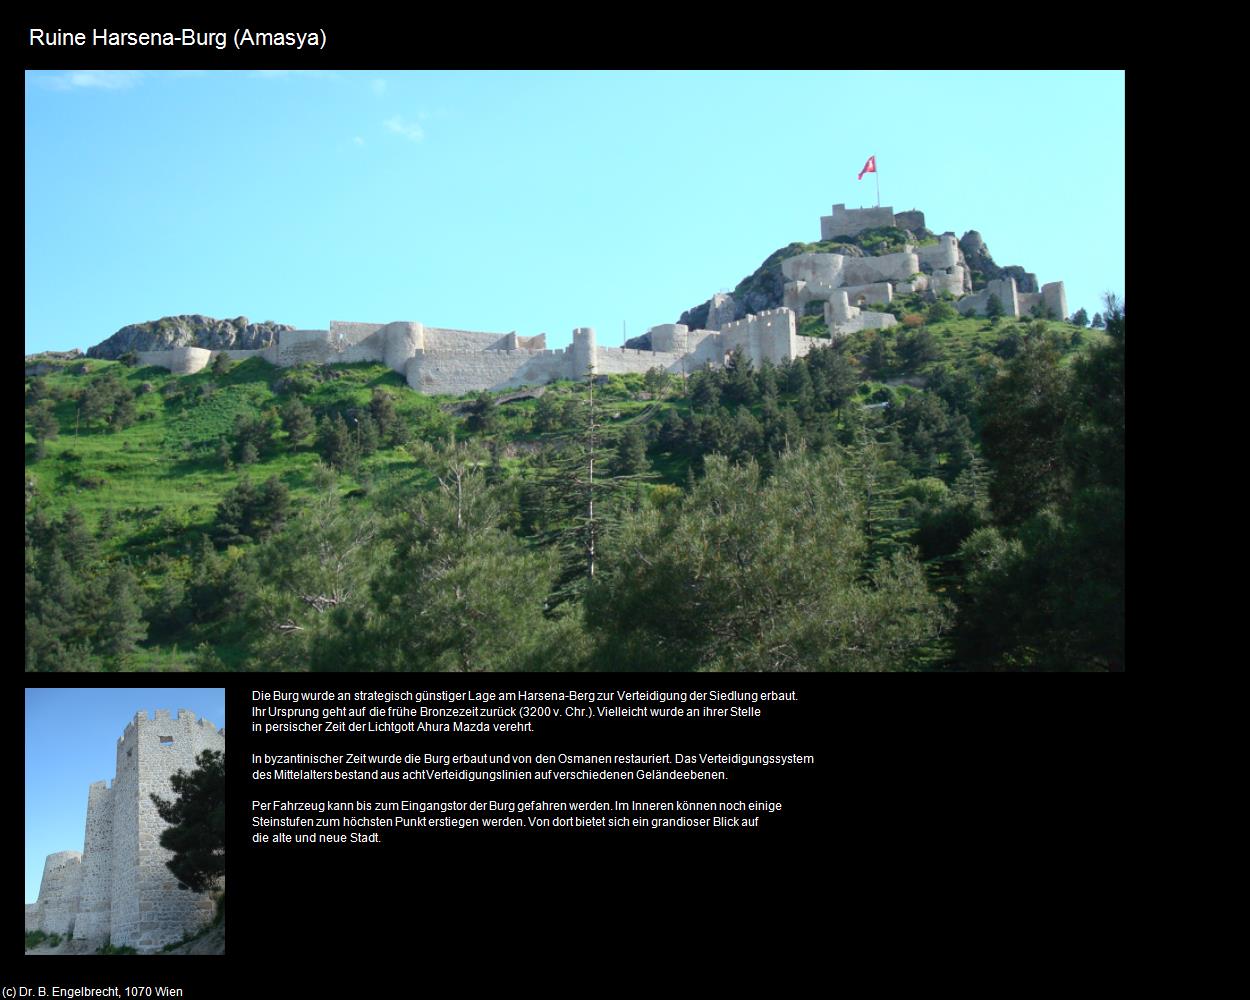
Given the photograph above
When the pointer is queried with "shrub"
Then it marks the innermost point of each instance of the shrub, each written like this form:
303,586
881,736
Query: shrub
913,320
113,949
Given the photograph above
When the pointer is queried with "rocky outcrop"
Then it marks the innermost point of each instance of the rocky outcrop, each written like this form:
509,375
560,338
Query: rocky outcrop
983,268
239,334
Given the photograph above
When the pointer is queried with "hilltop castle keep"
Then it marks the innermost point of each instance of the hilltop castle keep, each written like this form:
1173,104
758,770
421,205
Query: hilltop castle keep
438,360
117,888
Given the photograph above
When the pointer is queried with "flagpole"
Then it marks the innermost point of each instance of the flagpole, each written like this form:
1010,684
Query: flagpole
876,176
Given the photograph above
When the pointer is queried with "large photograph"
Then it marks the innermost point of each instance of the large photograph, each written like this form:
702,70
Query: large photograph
574,371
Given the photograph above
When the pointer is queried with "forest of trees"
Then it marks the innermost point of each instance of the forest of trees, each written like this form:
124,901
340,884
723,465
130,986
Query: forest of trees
975,525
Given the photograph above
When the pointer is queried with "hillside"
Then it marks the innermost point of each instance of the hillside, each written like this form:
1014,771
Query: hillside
170,520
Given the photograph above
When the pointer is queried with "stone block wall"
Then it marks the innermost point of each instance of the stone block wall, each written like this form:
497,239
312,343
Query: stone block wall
889,267
847,222
624,360
452,361
57,905
843,318
457,372
669,337
444,339
1055,298
942,256
1004,288
179,360
722,309
878,293
770,335
814,267
297,347
95,900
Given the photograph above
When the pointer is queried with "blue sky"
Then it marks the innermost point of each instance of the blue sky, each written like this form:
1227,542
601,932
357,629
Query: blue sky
532,201
71,741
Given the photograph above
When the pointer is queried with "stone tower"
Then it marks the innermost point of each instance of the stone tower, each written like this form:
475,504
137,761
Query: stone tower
122,891
584,353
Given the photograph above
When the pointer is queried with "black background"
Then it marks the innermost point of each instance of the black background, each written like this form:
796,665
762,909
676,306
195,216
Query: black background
954,829
941,808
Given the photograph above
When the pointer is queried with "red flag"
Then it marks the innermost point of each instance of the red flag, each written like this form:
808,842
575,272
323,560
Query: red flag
869,168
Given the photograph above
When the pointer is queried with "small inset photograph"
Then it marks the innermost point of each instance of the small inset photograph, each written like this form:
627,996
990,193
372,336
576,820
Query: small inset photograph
125,821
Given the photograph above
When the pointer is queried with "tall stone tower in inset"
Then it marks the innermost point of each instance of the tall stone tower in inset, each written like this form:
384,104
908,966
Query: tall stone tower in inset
122,891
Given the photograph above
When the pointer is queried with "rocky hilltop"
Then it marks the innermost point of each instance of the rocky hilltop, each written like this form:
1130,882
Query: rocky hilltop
764,289
239,334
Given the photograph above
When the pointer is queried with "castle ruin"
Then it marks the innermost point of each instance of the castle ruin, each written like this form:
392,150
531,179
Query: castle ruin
118,889
436,360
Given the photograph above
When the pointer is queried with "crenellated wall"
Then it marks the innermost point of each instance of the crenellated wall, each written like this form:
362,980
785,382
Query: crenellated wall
770,335
847,222
451,361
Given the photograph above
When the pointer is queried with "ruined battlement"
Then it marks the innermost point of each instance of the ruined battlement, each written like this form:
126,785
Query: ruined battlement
443,360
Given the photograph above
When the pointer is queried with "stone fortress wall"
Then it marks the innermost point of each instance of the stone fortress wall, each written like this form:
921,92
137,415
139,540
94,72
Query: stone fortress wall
119,889
446,361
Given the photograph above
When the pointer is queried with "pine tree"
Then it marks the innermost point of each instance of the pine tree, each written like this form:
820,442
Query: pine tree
197,818
122,626
297,421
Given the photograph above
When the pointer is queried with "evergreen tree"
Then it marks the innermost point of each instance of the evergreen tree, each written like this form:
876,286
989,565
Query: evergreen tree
197,818
124,412
705,389
766,379
122,627
297,421
460,593
44,426
631,452
1022,421
336,444
313,577
385,417
656,381
752,575
547,413
1046,590
248,513
738,381
483,414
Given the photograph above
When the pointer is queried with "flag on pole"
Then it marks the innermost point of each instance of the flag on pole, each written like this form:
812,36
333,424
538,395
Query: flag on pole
869,168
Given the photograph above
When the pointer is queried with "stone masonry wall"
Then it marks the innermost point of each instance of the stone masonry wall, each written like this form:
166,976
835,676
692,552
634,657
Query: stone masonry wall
450,361
165,913
624,360
58,892
95,902
848,222
179,360
458,372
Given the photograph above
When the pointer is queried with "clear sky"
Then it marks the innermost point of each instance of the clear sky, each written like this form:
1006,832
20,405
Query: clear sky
71,741
532,201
